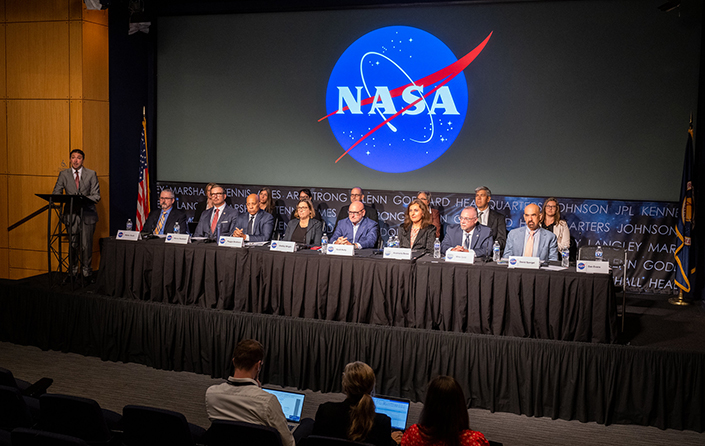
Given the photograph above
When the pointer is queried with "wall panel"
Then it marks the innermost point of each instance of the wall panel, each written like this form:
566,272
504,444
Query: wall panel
4,212
34,11
3,73
31,235
75,60
33,259
4,262
96,135
3,137
95,61
17,274
39,55
38,132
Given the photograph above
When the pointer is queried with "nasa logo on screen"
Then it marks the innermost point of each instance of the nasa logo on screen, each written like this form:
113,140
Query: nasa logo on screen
120,234
581,266
512,261
397,98
168,238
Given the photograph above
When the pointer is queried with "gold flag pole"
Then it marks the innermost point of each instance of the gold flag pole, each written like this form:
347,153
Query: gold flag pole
678,300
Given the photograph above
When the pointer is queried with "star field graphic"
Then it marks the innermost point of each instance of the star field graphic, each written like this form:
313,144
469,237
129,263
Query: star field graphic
378,105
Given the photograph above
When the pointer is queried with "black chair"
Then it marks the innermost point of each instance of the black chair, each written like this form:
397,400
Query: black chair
150,426
495,443
617,257
78,417
319,440
232,433
31,437
13,410
34,390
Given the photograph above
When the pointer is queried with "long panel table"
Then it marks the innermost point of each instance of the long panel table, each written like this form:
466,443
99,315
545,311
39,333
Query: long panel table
426,293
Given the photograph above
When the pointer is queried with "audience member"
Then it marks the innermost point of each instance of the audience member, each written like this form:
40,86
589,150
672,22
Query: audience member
357,229
425,196
161,221
417,232
256,225
242,399
219,219
202,206
468,235
357,195
305,193
532,240
355,418
303,227
266,203
444,418
551,220
490,218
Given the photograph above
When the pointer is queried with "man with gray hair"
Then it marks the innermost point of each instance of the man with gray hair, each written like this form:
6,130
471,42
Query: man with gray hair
490,218
162,220
468,235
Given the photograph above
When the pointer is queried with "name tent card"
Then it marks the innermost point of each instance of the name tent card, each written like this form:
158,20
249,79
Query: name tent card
524,262
397,253
340,250
592,267
128,235
460,257
179,239
231,242
282,246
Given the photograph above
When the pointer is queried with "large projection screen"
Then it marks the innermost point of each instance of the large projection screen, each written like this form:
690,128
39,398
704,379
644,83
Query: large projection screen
573,99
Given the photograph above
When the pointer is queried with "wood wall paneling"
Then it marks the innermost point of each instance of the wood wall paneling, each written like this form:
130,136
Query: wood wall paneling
34,260
3,74
76,60
31,235
38,56
18,274
38,135
76,127
3,137
96,135
91,15
37,10
4,263
95,62
4,212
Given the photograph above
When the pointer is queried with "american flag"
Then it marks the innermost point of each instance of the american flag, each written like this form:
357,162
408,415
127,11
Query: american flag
143,194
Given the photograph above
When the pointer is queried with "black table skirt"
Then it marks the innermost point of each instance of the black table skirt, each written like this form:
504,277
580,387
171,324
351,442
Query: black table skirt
481,298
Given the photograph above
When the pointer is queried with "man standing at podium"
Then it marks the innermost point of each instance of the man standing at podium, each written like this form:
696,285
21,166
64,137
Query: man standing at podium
79,180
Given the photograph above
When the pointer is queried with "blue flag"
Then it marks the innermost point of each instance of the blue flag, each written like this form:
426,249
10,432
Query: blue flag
685,251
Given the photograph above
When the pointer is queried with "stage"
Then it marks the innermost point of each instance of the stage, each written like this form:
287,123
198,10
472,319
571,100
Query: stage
656,385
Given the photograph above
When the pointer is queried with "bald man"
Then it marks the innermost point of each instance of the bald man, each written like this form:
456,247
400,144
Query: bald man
532,240
256,225
357,229
357,194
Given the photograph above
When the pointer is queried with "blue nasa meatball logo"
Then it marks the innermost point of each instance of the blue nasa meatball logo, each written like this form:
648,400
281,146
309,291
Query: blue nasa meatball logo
397,98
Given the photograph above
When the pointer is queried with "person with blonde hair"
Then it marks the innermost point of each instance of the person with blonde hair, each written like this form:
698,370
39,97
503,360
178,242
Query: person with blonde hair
355,418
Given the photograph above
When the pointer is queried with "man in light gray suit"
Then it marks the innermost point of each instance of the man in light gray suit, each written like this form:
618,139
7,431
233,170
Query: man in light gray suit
79,180
532,240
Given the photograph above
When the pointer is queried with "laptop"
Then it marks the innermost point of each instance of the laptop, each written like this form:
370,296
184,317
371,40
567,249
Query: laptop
395,408
292,405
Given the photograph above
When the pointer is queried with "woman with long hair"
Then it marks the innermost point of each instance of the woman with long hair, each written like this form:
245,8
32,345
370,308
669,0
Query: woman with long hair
444,418
417,231
551,220
355,418
265,200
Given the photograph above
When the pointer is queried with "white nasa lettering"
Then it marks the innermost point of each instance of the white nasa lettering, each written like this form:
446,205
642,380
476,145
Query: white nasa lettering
344,95
443,99
409,98
383,100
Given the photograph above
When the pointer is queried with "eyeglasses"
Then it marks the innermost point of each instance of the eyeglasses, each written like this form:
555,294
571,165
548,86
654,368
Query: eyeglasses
355,212
217,193
166,198
468,218
301,207
356,195
550,206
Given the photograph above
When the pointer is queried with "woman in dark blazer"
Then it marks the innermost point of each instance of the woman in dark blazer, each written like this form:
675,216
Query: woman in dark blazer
303,227
417,232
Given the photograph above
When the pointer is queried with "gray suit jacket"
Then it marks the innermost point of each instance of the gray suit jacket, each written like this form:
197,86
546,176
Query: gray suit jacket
87,186
547,249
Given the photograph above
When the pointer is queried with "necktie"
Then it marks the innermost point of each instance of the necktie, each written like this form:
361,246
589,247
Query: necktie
479,217
250,224
77,181
214,222
529,248
466,240
158,230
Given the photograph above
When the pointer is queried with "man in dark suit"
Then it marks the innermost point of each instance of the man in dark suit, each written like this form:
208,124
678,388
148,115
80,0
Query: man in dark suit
162,221
255,226
490,218
219,219
357,229
79,180
357,195
532,240
468,235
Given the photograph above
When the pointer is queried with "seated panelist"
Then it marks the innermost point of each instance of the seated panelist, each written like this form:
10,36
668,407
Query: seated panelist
468,235
417,231
256,225
219,219
161,221
357,229
303,227
532,240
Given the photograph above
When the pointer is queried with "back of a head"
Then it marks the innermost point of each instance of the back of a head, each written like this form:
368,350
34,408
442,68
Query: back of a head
358,384
444,415
247,353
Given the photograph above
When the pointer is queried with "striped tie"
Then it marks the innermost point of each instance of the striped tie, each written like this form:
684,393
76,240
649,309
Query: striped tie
160,224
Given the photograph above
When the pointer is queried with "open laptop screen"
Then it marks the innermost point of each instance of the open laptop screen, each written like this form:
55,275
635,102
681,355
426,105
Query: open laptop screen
394,408
292,403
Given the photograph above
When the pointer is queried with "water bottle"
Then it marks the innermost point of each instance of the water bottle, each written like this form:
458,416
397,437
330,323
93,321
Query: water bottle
598,253
324,243
177,227
565,257
128,226
437,249
390,242
396,241
496,256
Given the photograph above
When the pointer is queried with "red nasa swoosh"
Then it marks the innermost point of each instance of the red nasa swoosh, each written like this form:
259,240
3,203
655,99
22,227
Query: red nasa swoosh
446,74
